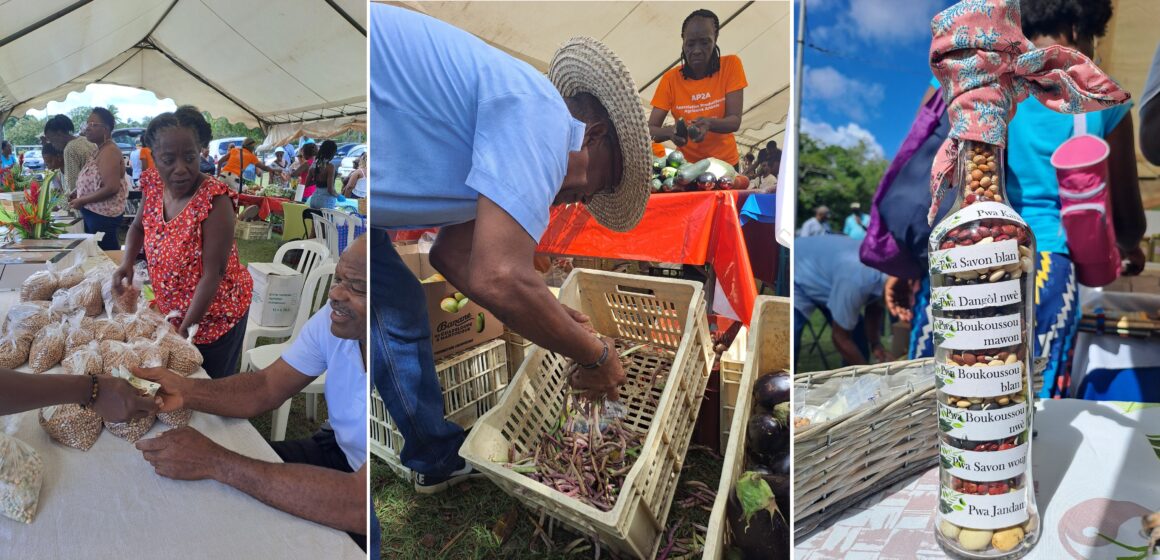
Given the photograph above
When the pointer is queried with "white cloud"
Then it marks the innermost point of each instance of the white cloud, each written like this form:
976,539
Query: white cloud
846,136
841,94
131,103
877,23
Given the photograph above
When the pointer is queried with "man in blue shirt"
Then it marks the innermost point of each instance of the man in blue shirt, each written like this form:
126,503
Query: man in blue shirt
324,478
829,276
135,162
481,145
856,222
817,225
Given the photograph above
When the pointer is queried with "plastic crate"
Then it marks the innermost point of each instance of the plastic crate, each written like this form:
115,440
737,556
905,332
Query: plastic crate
472,382
768,349
669,314
249,231
518,348
732,366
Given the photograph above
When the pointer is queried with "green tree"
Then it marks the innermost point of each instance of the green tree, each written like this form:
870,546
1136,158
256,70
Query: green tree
79,116
223,128
835,177
23,130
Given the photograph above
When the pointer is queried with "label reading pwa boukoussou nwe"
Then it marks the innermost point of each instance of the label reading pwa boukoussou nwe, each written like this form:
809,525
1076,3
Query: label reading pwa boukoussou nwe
984,466
983,425
976,296
982,256
978,334
979,381
984,512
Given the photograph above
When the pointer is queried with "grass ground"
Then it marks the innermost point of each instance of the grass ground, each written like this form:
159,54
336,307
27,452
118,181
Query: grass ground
809,359
467,521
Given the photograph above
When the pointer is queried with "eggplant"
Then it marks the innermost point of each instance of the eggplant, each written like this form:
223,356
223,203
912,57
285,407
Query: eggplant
759,529
724,183
768,434
706,181
771,390
681,129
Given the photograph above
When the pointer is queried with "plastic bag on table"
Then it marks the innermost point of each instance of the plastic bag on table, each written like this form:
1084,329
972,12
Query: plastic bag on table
13,350
151,351
47,348
85,360
25,319
118,354
184,357
177,418
132,430
21,473
107,328
73,425
39,286
79,332
71,276
142,324
125,302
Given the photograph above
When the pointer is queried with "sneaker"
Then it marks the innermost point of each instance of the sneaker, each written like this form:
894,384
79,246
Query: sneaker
426,484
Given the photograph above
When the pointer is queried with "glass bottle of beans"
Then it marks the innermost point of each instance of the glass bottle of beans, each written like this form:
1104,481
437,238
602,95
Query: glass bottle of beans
982,279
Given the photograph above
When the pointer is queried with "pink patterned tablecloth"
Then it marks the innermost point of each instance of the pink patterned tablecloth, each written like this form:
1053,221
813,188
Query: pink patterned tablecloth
1097,471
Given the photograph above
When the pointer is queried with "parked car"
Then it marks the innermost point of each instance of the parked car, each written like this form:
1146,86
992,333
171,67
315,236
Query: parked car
220,146
347,166
126,139
33,161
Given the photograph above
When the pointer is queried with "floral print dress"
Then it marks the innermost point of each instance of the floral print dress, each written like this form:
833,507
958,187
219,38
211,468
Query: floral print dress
173,249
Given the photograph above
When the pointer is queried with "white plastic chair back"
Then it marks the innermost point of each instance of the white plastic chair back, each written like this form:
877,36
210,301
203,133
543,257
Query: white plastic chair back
315,294
313,254
324,230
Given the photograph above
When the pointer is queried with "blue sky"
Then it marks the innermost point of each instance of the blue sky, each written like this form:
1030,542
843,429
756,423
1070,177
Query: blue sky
866,68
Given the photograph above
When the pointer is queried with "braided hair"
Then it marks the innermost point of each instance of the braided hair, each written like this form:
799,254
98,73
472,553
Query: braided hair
186,116
715,58
326,153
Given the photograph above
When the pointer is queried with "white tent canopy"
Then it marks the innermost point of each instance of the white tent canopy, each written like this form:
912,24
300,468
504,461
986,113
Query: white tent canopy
260,63
646,36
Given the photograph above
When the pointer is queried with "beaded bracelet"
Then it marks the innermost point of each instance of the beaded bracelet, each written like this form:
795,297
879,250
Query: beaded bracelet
599,361
96,390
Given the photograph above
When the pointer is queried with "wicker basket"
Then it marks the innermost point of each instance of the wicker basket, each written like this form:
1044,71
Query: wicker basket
768,349
840,462
666,313
472,382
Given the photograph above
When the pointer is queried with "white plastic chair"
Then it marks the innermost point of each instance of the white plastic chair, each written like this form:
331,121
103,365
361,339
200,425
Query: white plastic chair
313,254
315,294
325,231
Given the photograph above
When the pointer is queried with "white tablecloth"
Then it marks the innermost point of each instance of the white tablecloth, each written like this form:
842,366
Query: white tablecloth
107,503
1095,471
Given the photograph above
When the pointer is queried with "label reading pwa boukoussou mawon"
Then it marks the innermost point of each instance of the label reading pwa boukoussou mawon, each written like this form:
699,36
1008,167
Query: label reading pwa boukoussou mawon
979,381
978,334
976,296
984,466
982,256
983,425
984,512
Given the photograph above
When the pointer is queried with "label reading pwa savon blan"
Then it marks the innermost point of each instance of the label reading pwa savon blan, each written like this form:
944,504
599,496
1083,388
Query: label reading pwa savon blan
974,257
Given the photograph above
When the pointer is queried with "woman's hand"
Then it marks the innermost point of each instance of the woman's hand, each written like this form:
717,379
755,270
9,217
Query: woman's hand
1133,261
76,203
698,128
120,276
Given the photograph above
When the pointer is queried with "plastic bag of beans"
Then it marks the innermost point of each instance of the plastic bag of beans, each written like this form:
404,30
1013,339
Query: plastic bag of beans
132,430
87,296
39,286
177,418
13,351
21,473
71,425
26,319
79,332
124,302
70,277
85,360
108,329
142,324
47,348
150,351
118,354
184,357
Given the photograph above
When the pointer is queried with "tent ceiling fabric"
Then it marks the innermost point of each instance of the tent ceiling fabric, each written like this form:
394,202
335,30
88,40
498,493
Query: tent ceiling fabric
646,36
249,61
1126,53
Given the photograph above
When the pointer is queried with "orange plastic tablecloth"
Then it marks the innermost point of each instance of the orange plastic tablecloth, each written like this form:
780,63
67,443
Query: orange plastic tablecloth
266,204
688,228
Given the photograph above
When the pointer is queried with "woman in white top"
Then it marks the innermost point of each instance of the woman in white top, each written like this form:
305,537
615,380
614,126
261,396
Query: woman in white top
356,184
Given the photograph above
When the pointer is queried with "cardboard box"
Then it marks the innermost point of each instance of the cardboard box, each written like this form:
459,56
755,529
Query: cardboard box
277,291
466,327
16,266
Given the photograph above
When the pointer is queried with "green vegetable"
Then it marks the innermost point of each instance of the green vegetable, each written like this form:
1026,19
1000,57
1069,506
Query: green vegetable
689,172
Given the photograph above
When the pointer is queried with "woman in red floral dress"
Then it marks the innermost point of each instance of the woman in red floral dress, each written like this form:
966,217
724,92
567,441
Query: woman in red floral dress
186,226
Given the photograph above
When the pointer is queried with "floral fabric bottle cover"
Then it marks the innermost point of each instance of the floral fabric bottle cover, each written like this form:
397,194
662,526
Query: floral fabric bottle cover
982,264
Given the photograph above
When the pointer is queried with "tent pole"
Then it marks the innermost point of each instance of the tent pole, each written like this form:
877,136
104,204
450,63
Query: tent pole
797,100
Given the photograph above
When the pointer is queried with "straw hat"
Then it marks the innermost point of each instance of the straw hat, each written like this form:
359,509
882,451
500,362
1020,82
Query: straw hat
584,64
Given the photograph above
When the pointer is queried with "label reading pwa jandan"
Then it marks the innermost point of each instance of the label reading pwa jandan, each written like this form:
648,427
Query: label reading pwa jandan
984,512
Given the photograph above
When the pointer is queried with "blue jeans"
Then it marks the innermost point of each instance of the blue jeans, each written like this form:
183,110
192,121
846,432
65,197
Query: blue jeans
322,199
95,222
404,367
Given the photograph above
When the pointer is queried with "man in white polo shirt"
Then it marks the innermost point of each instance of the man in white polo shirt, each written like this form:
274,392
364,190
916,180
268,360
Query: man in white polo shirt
324,478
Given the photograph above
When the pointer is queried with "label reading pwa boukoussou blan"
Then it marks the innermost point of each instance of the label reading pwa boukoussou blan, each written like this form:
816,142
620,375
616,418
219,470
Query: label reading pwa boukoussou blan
984,466
983,425
979,381
976,296
984,512
982,256
978,334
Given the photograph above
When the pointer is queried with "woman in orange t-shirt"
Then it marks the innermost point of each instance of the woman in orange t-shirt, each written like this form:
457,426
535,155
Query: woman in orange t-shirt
707,90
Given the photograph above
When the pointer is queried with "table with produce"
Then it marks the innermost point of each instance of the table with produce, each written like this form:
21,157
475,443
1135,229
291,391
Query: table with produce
69,480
